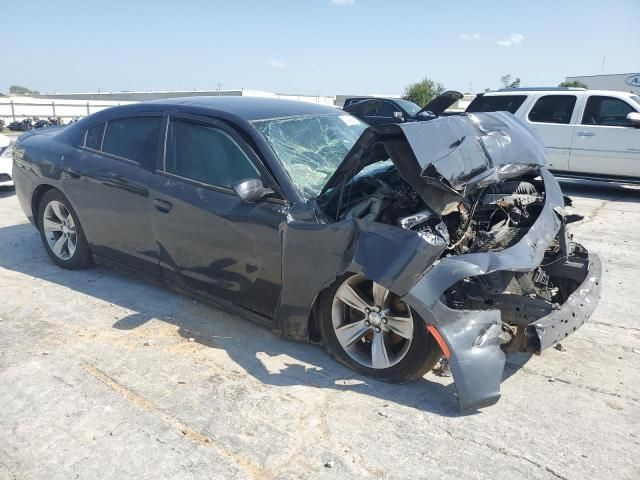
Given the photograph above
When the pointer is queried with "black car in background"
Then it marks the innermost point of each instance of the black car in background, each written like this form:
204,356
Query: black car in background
392,245
378,111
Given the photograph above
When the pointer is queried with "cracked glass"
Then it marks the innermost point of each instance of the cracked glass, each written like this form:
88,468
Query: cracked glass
311,147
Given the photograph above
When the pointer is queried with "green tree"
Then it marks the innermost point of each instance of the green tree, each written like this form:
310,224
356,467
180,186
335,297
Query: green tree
423,91
20,90
575,84
509,82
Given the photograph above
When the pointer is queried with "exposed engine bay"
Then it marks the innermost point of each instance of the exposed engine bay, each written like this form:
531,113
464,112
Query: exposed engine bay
490,219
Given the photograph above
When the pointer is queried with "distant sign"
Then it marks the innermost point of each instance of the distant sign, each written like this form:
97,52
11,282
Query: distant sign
633,80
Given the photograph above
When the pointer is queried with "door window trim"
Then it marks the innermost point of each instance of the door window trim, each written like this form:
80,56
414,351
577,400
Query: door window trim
251,155
574,109
584,111
128,161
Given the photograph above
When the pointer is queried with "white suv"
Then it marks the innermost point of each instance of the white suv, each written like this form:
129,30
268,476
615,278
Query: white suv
588,133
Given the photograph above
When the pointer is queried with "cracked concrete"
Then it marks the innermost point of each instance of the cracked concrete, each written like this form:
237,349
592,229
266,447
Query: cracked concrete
99,379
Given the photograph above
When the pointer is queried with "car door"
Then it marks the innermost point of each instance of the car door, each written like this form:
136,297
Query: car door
553,117
109,187
210,240
605,143
385,113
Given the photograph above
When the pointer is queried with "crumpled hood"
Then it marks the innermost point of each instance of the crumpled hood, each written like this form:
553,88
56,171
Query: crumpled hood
447,158
440,103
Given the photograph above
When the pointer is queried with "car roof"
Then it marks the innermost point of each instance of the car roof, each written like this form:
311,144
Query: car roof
247,108
559,90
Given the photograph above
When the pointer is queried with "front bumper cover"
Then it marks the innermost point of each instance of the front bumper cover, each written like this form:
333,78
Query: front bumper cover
474,337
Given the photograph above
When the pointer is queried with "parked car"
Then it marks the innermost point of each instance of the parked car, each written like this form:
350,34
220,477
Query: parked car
391,245
377,111
588,133
6,150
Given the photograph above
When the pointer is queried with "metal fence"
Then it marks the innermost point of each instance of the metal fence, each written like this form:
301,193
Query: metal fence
12,109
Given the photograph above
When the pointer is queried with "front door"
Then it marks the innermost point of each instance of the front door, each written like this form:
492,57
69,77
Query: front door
210,240
605,143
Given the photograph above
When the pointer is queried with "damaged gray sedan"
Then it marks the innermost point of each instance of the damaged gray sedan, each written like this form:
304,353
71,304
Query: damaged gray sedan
393,245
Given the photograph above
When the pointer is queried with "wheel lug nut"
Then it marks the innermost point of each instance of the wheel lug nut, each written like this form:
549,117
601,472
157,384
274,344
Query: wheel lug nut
377,329
367,310
384,320
367,323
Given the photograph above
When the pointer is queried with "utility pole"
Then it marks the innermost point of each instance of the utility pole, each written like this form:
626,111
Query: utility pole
603,60
218,89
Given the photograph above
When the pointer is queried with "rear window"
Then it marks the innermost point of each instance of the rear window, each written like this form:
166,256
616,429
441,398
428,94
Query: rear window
93,139
496,103
133,138
553,109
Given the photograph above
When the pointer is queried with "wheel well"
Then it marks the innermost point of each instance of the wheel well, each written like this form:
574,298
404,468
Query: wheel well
313,327
35,199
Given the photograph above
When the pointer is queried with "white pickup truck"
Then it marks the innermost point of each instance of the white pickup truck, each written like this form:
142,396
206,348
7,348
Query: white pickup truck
588,133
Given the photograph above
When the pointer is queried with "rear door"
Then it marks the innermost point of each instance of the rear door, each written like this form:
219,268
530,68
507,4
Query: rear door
553,117
605,143
109,187
210,240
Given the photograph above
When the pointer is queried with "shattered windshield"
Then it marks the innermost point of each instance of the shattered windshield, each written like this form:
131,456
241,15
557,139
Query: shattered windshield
311,147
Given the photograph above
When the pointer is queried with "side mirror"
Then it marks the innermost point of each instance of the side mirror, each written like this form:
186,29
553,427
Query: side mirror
634,119
251,190
398,115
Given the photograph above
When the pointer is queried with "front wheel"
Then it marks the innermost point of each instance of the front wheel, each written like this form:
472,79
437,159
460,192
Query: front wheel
370,330
61,232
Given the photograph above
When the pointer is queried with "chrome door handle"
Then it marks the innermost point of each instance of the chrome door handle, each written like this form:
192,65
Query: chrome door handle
586,134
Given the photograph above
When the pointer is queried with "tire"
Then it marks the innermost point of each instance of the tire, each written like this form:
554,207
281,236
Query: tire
67,246
402,362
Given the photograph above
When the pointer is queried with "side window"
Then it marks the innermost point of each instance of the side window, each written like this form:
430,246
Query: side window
608,111
496,103
133,138
93,138
553,109
206,154
368,108
386,109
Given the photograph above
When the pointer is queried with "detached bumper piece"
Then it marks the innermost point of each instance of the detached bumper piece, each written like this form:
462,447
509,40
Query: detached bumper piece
560,323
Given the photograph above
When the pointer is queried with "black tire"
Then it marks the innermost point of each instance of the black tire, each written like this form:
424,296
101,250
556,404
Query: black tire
82,255
422,356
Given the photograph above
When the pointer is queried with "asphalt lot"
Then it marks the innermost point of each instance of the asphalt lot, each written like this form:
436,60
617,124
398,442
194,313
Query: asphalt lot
103,376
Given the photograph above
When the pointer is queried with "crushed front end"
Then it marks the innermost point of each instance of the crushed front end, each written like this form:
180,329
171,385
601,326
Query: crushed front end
507,275
515,288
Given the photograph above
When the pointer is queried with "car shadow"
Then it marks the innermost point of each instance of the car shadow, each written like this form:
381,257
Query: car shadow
619,192
252,346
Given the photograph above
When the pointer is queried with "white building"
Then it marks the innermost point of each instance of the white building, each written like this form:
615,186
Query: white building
622,82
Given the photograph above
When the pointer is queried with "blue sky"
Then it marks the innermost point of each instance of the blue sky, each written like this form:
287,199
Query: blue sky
311,46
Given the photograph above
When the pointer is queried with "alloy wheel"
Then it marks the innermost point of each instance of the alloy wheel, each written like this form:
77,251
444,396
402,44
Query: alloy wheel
373,326
59,230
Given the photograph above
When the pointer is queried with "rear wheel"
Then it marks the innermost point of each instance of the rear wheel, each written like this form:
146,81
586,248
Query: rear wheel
369,329
61,232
